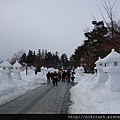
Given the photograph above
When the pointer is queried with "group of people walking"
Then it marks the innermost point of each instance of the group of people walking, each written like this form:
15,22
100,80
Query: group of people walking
56,77
53,77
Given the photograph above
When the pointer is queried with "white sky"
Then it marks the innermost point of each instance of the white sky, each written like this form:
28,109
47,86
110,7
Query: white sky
55,25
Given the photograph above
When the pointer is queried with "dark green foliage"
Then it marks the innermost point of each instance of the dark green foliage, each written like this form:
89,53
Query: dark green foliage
44,58
31,58
98,44
64,60
23,59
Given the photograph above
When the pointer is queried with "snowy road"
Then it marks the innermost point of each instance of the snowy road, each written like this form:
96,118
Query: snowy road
47,99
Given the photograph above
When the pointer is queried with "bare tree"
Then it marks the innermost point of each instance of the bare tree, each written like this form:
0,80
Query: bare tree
109,8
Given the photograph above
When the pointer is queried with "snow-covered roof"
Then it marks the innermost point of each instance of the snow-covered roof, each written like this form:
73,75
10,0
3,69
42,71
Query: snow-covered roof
113,56
45,68
51,69
79,68
98,61
6,64
17,64
56,70
42,67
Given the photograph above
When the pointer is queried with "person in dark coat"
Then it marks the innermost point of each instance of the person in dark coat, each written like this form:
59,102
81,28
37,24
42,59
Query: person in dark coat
68,74
63,76
72,77
51,75
55,78
48,75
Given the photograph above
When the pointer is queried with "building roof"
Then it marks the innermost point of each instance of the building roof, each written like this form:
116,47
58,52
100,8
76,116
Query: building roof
42,68
17,64
6,64
98,61
51,69
113,56
79,68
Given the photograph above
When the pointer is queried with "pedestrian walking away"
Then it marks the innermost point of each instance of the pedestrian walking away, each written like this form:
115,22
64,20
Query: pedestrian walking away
68,74
59,76
72,77
63,76
48,75
55,79
51,75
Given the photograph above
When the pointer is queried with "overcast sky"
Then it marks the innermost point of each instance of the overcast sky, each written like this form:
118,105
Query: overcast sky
55,25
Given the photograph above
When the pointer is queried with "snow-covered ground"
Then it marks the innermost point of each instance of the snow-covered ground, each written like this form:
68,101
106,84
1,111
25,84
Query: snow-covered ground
88,97
91,97
10,91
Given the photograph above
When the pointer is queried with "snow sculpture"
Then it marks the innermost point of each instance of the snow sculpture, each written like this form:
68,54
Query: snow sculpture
51,70
6,69
43,73
101,75
45,70
79,70
57,70
112,68
79,73
82,70
16,70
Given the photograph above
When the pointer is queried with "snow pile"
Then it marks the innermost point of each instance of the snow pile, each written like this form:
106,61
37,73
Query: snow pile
51,70
99,93
92,97
43,73
17,69
10,91
79,73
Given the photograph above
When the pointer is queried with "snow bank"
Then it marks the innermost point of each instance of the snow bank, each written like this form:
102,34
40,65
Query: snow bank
91,97
29,82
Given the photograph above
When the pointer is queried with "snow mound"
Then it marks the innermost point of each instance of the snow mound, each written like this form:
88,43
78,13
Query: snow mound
10,91
92,97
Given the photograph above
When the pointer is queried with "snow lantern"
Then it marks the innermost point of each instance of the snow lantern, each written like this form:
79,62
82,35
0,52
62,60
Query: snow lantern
79,70
43,70
17,69
101,75
112,68
43,73
46,70
6,69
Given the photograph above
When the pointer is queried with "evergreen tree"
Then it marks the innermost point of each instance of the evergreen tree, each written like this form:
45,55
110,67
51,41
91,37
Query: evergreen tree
22,60
48,59
97,44
31,58
64,60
